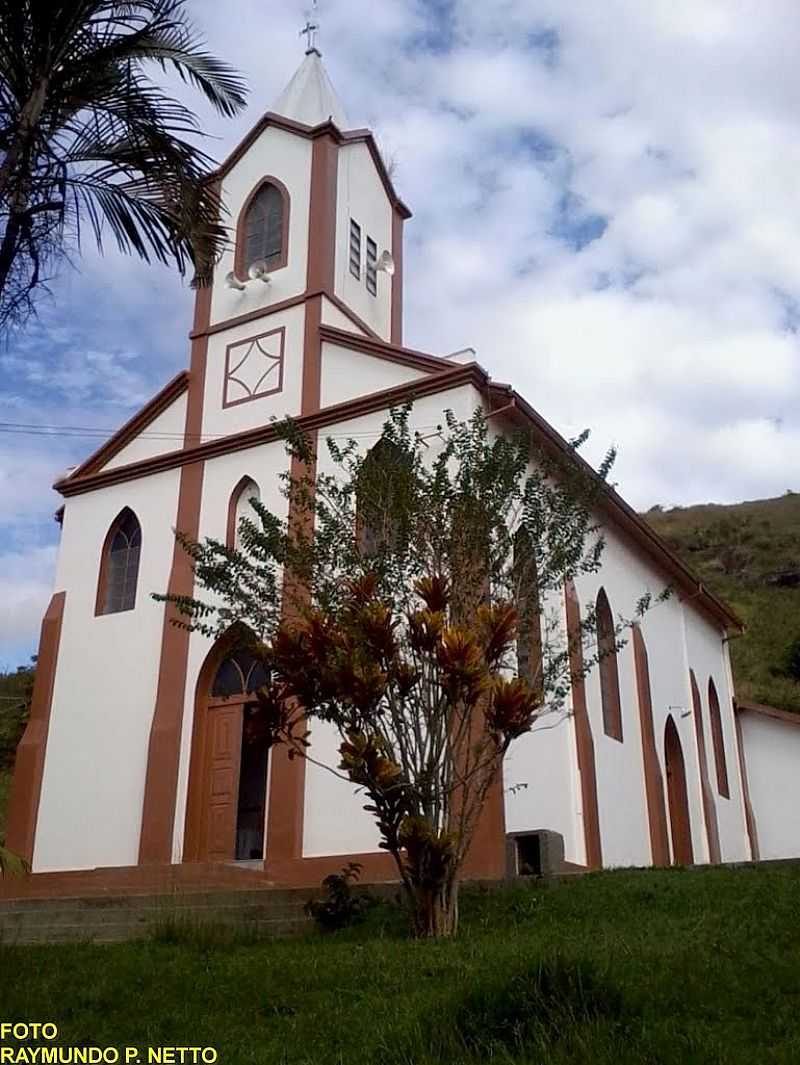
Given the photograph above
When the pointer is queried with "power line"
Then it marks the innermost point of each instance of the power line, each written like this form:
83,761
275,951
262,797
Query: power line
87,432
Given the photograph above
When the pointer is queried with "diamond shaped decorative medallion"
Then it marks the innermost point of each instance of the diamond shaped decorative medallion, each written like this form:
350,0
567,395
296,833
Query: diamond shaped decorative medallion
254,368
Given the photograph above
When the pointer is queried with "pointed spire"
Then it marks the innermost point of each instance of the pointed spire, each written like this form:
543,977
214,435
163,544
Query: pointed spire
310,96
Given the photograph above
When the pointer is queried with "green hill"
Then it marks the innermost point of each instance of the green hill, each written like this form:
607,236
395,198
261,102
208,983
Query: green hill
749,554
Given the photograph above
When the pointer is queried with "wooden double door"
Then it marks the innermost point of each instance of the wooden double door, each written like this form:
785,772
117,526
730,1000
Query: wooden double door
234,786
228,773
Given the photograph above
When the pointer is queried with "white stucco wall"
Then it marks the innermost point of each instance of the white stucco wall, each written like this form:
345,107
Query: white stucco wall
674,633
619,767
105,684
286,156
164,433
707,655
541,783
331,315
772,760
222,421
347,374
362,197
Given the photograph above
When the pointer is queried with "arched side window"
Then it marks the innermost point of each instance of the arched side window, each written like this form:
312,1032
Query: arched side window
262,232
379,509
609,671
119,565
240,506
718,740
529,628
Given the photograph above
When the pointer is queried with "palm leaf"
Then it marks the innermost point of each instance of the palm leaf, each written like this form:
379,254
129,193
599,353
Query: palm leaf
107,146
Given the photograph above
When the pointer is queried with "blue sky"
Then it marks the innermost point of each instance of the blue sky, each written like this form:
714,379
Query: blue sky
606,207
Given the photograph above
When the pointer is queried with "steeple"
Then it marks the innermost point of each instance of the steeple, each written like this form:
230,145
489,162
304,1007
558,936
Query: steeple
310,97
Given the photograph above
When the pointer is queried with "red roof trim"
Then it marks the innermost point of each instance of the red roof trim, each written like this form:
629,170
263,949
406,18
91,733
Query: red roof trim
442,375
742,705
355,136
391,352
451,377
131,429
625,517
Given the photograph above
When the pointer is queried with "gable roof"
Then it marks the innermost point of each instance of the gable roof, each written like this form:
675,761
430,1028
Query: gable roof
440,375
135,425
327,128
744,705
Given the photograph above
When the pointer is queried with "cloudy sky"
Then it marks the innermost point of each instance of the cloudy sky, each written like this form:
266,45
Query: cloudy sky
606,207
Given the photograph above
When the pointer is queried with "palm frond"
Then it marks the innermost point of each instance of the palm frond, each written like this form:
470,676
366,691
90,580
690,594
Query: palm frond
86,135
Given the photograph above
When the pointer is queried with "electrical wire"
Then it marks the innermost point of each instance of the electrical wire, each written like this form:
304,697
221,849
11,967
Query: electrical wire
84,432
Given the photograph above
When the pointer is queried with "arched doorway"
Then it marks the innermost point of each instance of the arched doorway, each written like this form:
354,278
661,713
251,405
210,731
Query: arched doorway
680,825
226,809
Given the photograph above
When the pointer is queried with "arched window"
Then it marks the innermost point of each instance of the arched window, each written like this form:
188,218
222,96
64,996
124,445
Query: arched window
609,672
239,674
382,479
119,565
678,797
529,628
263,229
240,505
718,740
709,809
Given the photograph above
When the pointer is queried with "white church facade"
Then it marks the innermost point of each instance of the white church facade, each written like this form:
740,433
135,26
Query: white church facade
133,755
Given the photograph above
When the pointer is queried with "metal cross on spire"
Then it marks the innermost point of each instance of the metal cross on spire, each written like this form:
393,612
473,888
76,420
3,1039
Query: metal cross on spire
311,29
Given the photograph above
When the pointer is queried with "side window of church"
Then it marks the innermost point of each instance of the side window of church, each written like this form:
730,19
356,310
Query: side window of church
526,595
718,740
355,249
609,672
264,229
372,267
242,507
119,567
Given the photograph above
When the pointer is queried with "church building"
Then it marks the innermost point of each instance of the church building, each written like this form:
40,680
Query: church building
134,757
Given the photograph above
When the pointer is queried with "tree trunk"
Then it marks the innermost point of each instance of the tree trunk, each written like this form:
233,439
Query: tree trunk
434,909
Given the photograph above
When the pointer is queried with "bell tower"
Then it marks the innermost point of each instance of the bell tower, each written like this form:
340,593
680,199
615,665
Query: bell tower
316,240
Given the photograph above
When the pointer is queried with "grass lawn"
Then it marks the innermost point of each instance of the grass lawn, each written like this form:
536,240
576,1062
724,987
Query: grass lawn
647,967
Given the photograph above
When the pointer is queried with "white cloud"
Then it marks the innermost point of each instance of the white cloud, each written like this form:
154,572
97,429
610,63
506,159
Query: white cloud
27,579
671,334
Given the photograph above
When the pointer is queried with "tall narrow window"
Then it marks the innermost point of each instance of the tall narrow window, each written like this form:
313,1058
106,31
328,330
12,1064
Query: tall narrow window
717,740
263,229
529,629
119,565
382,479
609,672
372,267
355,249
240,505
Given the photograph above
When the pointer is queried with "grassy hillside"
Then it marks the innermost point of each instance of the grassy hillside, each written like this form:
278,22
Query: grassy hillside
15,689
660,967
750,555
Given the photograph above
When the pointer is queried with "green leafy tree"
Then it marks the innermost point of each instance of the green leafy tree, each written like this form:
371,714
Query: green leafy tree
16,692
87,138
421,618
